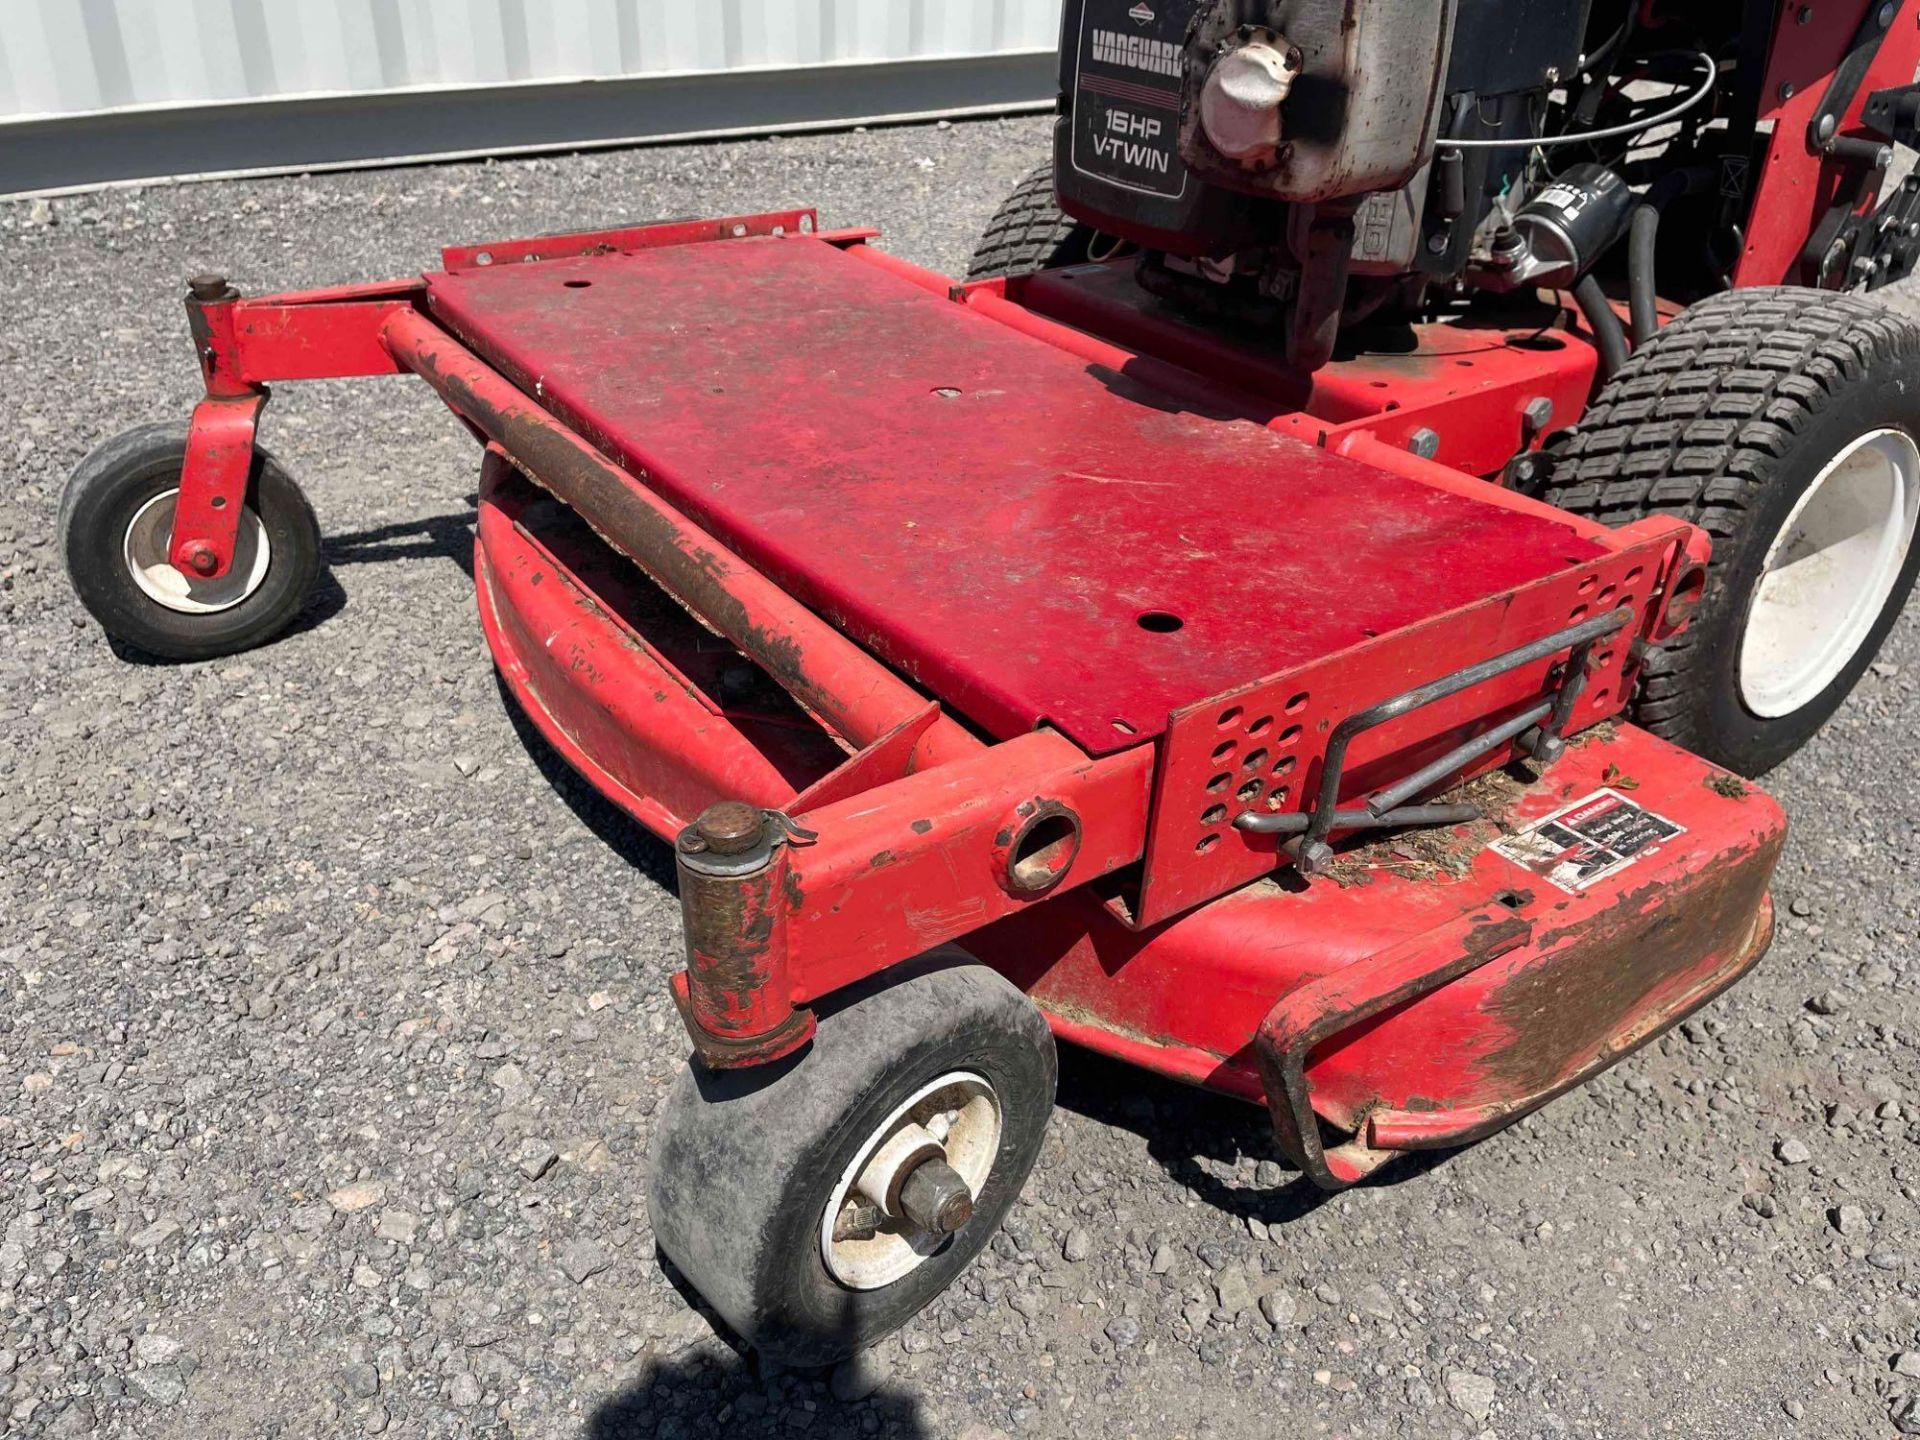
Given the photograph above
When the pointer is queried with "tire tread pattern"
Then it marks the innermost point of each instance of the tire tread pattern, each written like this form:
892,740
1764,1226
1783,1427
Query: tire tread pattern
1697,421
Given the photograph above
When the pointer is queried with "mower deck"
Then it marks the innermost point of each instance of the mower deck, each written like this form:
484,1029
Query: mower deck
1008,615
1035,539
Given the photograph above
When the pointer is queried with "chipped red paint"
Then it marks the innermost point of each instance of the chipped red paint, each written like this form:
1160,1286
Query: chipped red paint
1406,1002
214,481
1795,184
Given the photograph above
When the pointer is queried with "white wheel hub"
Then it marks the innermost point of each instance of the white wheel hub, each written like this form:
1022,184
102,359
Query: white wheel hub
148,538
864,1239
1829,573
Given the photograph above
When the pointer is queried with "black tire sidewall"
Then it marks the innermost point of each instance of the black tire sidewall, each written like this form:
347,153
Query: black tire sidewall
803,1299
101,501
1885,398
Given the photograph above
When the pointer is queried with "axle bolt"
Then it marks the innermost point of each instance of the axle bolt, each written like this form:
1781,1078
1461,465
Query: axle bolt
935,1198
201,559
1424,442
730,828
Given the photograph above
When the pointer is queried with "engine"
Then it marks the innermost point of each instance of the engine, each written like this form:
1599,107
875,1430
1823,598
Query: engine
1304,164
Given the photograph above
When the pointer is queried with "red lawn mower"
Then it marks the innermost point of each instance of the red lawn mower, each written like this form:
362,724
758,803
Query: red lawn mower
1296,621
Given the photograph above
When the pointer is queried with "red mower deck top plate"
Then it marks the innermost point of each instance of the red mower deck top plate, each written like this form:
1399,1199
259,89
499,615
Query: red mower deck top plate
1033,539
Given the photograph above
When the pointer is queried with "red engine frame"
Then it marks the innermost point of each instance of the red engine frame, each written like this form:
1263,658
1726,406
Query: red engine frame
1405,1009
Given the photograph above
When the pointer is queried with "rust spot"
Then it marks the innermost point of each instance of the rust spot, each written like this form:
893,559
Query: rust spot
921,827
1595,993
1731,786
881,860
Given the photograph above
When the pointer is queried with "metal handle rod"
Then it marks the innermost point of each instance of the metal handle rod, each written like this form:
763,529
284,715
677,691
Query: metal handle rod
1296,823
1333,768
1456,759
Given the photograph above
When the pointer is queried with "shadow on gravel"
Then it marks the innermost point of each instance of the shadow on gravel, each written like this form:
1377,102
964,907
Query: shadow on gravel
715,1388
612,826
710,1391
448,535
1184,1126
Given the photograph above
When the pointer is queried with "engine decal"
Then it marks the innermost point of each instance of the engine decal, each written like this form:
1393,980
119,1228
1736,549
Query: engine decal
1126,110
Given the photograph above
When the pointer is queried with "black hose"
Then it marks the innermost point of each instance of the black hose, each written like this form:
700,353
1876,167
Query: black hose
1643,234
1609,335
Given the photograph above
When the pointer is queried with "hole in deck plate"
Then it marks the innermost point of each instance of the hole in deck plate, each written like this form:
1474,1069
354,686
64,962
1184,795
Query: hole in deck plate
806,223
1207,842
1159,622
1289,736
576,284
1577,614
1278,796
738,231
1214,815
219,502
1260,726
1224,751
1392,405
485,257
1537,342
1512,899
1284,765
947,392
1255,759
1124,728
1634,574
1042,853
1230,716
1379,384
1219,783
1600,696
1586,585
1297,703
1250,792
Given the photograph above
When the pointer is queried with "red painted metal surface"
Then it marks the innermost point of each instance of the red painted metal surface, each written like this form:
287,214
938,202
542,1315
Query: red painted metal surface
856,696
788,392
583,655
997,520
1260,748
459,259
1797,183
213,482
1596,973
1469,381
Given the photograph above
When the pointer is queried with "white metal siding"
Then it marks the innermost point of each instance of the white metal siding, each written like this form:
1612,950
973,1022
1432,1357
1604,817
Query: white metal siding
65,58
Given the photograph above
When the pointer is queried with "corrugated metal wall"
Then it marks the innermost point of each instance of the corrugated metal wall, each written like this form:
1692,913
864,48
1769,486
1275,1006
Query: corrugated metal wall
97,66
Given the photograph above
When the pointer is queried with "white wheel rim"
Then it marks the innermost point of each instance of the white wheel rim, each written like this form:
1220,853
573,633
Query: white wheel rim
1829,573
148,538
962,1111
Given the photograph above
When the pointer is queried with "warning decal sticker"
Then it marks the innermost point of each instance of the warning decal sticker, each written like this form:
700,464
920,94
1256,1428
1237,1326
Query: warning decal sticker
1588,841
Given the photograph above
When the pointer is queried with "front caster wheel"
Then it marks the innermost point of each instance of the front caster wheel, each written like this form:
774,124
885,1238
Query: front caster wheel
116,522
818,1204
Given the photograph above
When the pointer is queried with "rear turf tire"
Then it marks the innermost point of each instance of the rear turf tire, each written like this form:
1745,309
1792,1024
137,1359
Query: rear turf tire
1030,232
1746,406
116,511
747,1163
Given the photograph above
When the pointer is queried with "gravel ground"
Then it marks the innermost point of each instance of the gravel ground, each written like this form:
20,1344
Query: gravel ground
335,1010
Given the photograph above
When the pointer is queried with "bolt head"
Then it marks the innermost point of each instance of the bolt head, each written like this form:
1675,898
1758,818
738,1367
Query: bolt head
1828,124
201,559
209,287
1424,442
731,827
1538,412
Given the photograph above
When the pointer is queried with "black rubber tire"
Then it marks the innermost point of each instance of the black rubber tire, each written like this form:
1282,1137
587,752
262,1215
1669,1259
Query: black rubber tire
1030,232
1726,418
744,1162
108,490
